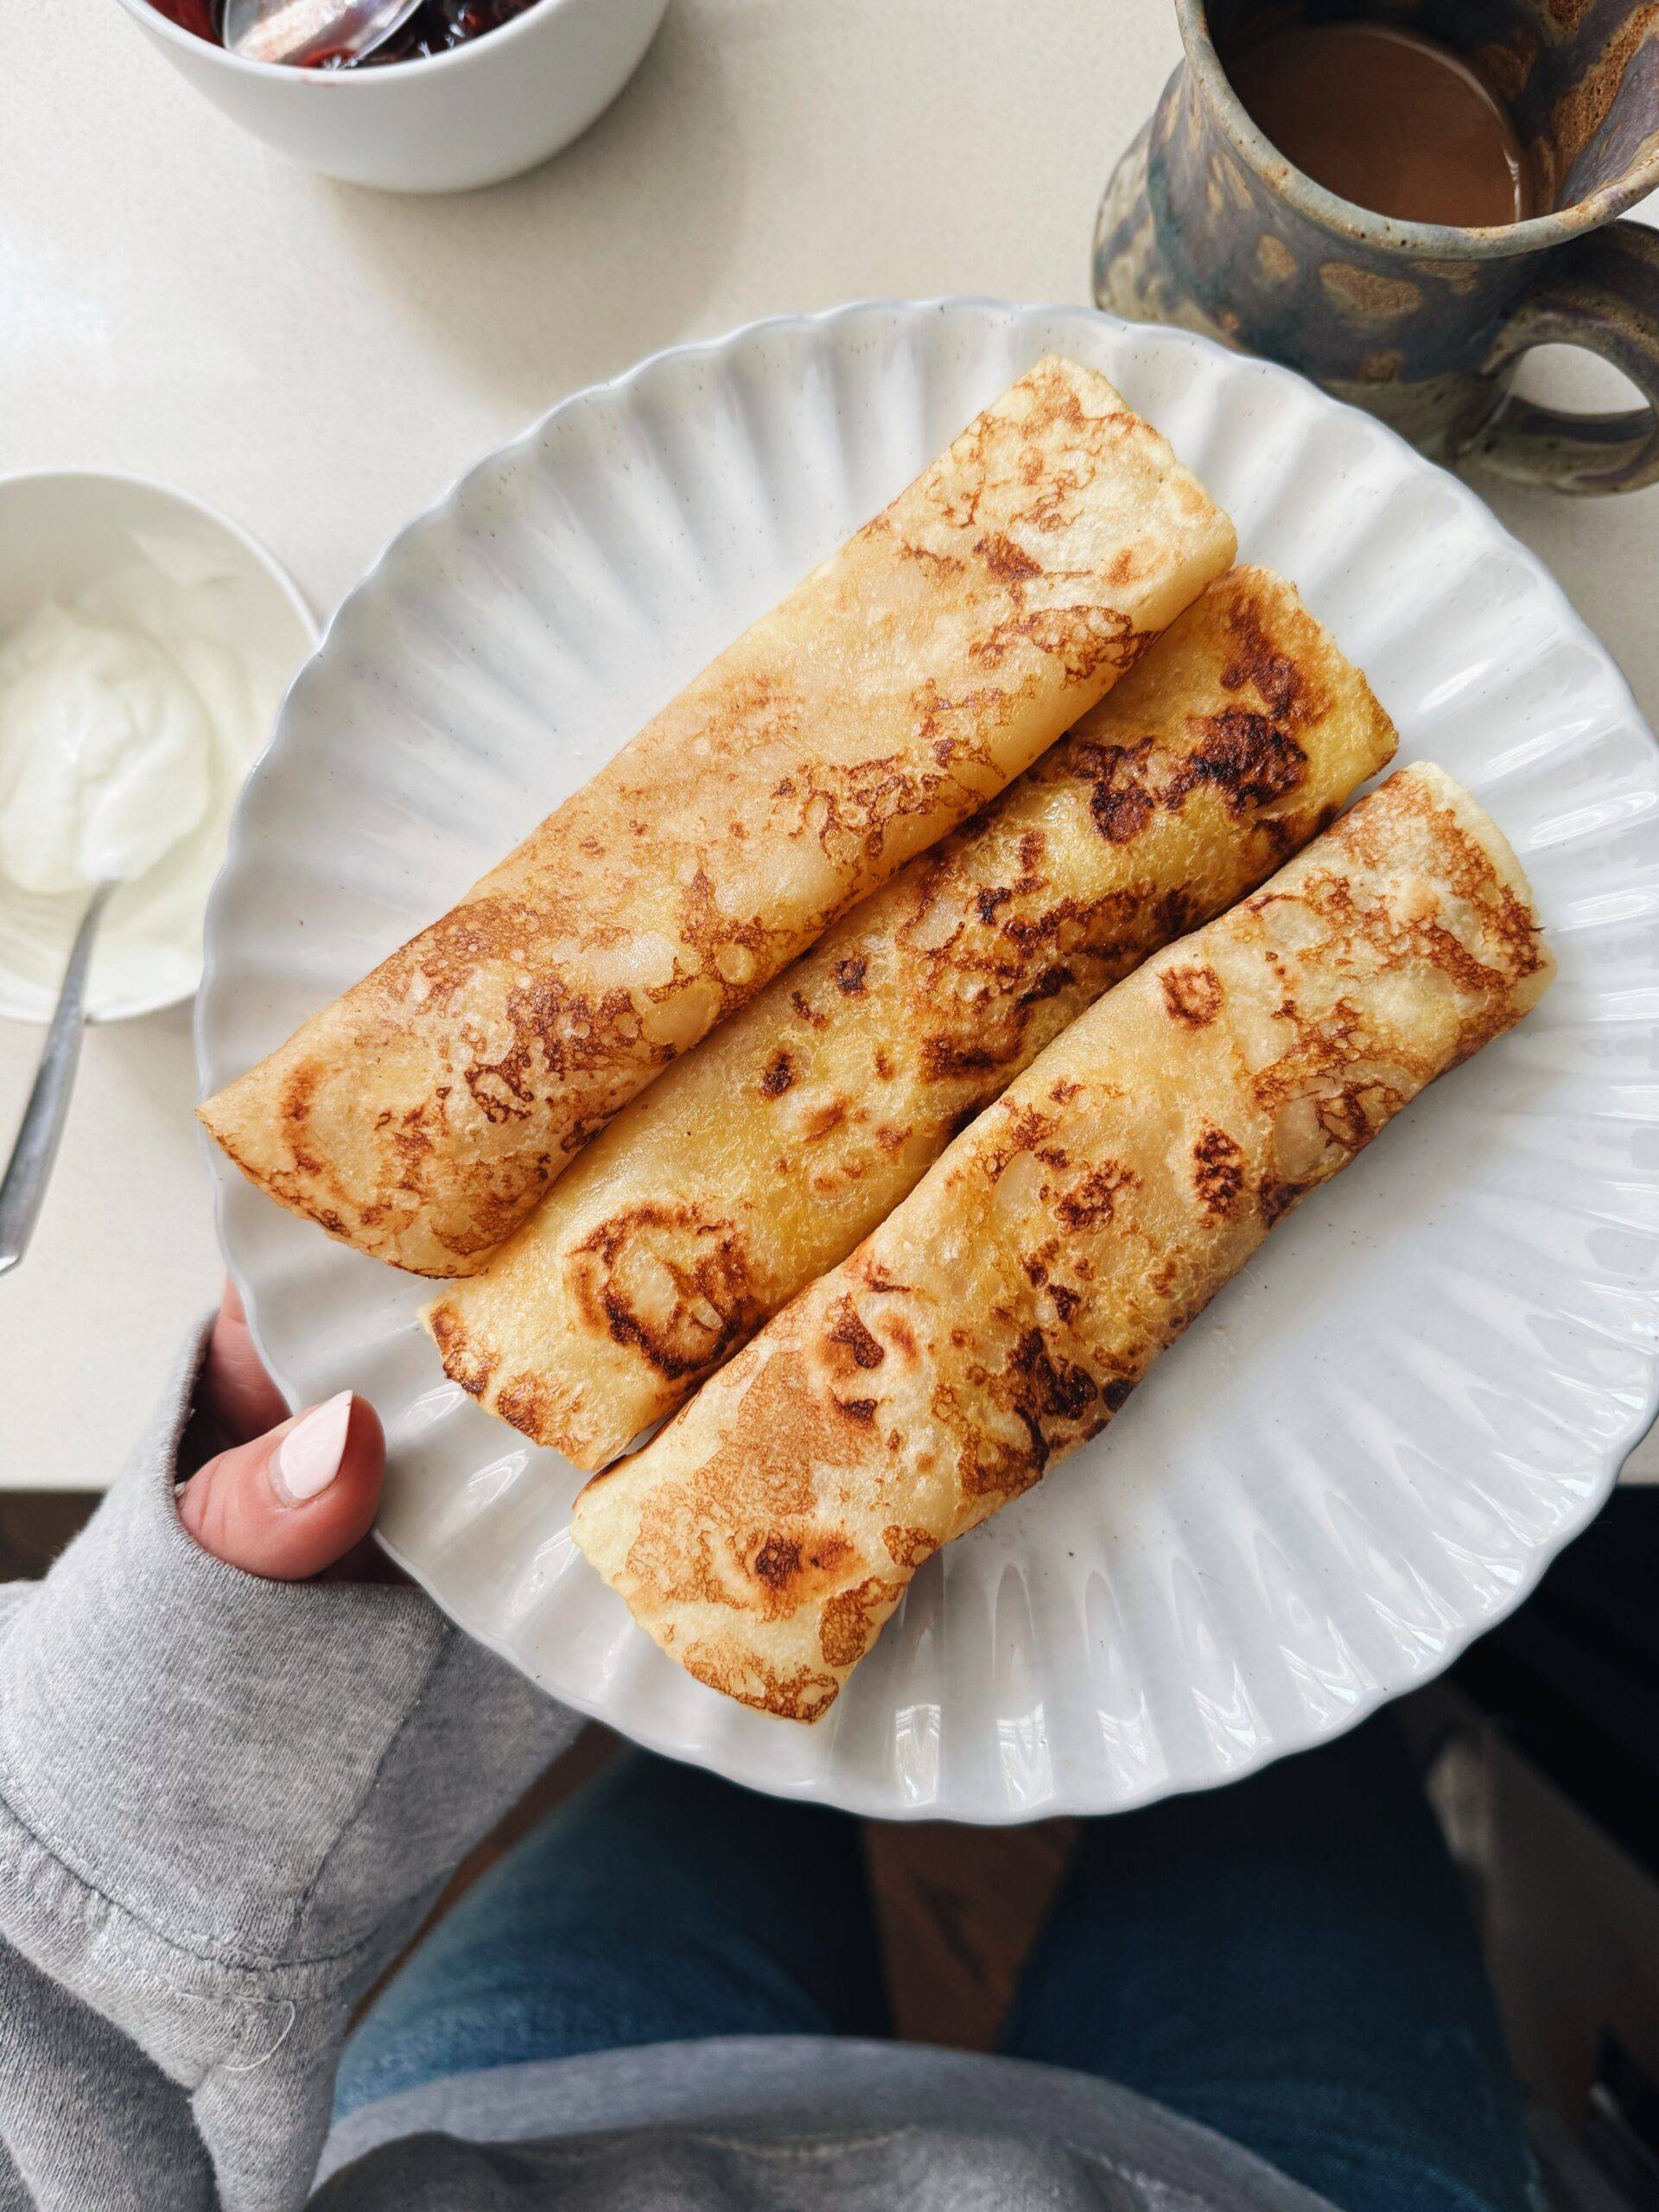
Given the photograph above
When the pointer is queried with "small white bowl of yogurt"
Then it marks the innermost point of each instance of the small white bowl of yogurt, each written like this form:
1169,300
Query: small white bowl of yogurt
145,645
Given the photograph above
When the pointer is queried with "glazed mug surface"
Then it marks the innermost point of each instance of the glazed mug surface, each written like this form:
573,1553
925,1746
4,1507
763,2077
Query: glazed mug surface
1205,224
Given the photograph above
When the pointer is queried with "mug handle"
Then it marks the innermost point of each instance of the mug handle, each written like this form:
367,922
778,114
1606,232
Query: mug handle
1600,292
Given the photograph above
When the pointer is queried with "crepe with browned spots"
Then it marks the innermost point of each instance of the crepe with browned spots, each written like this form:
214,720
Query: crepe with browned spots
904,683
760,1158
1006,1310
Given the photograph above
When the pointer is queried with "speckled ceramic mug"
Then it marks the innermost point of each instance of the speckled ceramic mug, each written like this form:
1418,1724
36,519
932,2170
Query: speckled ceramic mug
1205,224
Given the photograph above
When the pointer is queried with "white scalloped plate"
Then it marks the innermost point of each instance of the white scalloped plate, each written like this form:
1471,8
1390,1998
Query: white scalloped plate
1368,1449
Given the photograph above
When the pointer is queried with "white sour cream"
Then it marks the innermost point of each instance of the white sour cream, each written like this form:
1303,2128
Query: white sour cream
128,719
106,753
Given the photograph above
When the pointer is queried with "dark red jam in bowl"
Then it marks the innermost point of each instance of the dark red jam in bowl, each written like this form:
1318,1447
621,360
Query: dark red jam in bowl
435,26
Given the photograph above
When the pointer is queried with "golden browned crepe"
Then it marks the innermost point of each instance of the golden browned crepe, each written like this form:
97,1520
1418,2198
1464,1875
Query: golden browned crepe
1007,1309
897,688
760,1158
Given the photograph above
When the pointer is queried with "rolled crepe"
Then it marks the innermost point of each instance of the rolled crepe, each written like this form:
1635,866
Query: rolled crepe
763,1157
1006,1310
901,686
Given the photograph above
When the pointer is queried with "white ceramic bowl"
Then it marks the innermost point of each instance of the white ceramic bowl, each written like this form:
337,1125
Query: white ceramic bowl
1370,1447
60,530
484,111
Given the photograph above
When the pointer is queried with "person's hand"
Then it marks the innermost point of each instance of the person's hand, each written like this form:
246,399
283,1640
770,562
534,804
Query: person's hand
281,1496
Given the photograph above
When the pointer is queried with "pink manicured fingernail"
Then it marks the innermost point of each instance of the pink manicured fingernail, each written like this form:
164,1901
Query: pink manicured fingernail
308,1460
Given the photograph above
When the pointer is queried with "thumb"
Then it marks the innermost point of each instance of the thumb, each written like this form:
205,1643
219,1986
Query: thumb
296,1500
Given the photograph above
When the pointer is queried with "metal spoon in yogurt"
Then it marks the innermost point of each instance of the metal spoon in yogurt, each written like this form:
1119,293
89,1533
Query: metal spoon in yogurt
24,1185
311,30
106,763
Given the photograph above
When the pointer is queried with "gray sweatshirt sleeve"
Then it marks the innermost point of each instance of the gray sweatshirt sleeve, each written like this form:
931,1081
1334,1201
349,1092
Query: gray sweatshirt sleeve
223,1804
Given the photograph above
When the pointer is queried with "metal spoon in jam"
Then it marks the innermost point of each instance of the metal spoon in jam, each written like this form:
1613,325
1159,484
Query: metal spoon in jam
310,32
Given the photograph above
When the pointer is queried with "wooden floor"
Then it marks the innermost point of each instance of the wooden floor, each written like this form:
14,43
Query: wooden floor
35,1525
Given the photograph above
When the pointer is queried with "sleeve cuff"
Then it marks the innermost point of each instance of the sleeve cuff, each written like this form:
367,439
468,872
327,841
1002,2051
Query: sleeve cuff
259,1772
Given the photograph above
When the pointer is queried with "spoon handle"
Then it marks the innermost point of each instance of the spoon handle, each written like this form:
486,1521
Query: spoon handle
24,1185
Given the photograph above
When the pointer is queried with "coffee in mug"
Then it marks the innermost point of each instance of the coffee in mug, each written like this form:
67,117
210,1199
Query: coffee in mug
1389,119
1401,206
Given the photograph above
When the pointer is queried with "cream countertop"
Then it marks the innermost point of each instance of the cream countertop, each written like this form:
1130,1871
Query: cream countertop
180,302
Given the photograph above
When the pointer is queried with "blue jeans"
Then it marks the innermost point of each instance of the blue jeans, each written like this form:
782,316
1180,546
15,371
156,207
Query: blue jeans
1287,1960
